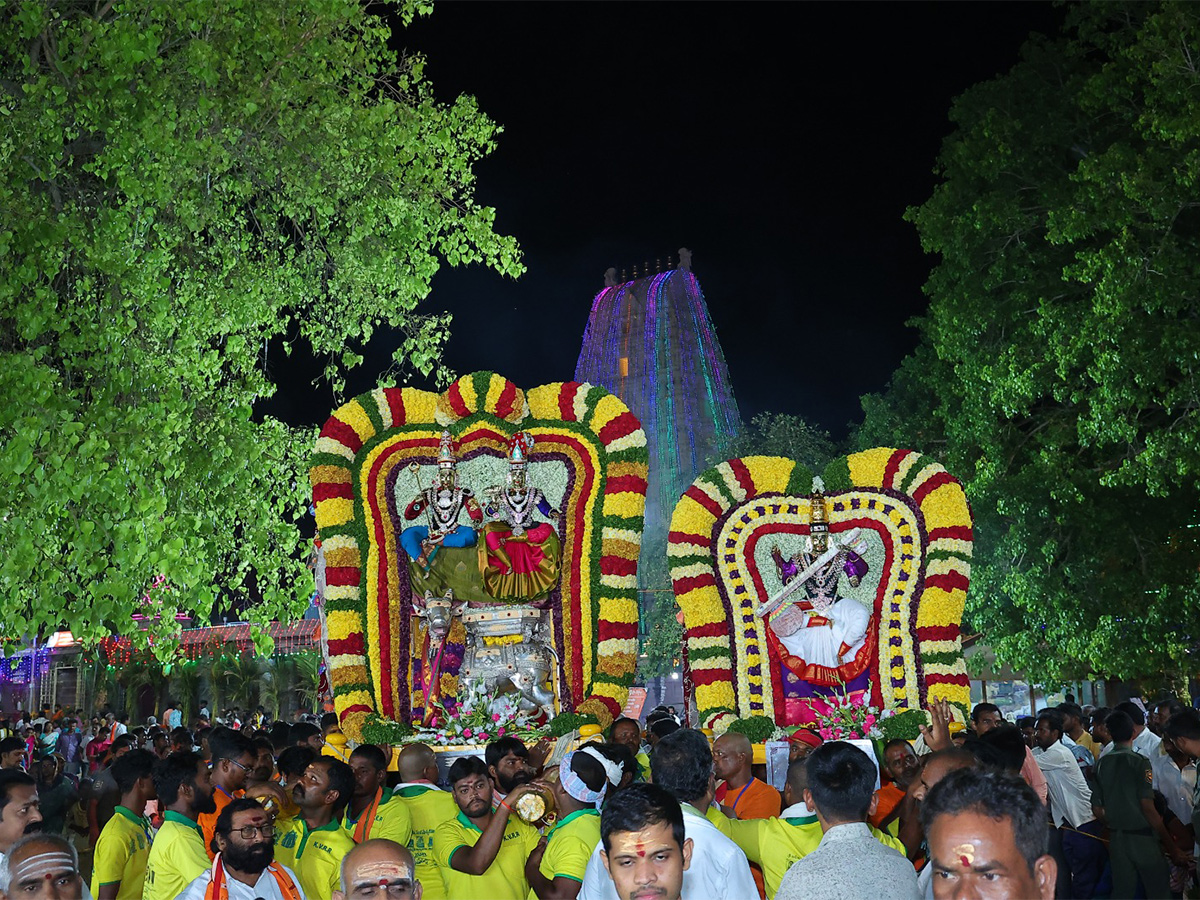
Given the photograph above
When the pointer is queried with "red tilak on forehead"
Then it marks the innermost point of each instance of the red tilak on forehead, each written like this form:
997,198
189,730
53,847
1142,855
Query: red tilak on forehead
641,849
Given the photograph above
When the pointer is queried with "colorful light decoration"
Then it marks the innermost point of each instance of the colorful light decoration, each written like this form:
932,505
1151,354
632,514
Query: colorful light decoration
651,342
290,638
19,667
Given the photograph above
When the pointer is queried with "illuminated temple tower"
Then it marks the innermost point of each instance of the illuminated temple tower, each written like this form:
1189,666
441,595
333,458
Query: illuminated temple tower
650,341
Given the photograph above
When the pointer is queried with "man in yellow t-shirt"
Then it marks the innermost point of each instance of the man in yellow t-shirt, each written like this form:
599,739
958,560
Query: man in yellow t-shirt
313,843
776,843
428,806
119,867
555,869
177,855
482,853
373,811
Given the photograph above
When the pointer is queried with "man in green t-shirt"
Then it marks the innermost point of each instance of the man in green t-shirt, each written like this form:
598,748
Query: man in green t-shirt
429,806
1124,798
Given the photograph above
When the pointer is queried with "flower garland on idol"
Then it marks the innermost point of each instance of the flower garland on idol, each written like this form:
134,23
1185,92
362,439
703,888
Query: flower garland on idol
907,499
604,468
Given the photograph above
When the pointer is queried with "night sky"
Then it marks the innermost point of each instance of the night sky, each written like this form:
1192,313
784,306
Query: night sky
781,143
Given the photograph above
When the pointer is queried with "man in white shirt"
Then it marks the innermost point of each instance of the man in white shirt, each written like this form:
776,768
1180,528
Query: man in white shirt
244,867
1100,731
849,862
1070,804
1145,741
1175,778
682,765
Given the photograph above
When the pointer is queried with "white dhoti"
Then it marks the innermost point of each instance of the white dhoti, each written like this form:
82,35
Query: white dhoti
833,644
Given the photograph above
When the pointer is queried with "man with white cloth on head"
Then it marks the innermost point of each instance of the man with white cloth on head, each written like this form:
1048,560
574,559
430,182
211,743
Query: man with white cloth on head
682,764
556,867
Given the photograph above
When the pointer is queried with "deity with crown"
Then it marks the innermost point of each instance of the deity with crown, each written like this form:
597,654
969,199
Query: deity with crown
442,503
519,556
819,634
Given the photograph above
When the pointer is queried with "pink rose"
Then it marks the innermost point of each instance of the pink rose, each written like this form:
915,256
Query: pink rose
500,732
466,732
495,717
482,735
869,721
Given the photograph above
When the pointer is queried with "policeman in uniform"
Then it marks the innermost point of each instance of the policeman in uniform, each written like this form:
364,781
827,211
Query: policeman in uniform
1124,797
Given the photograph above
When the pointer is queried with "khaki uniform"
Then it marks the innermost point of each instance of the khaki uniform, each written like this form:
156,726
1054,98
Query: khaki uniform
1123,780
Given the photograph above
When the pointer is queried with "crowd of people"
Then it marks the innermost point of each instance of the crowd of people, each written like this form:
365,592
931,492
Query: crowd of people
1072,802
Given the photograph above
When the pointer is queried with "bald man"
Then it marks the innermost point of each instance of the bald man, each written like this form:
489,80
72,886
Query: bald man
429,807
741,795
379,863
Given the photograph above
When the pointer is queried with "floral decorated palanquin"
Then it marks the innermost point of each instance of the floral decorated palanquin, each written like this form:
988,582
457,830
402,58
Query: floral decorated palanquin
916,537
589,456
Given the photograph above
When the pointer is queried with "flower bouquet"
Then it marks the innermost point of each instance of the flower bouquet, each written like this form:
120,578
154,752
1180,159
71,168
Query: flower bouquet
841,718
481,716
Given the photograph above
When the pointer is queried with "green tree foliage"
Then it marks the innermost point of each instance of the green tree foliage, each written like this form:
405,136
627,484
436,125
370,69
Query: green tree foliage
182,184
782,434
1059,373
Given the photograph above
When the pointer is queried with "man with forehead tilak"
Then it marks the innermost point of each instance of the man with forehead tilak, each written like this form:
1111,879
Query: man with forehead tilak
42,866
643,846
378,869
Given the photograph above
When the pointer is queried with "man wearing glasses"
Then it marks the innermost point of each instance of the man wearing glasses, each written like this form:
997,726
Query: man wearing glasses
244,866
378,869
233,758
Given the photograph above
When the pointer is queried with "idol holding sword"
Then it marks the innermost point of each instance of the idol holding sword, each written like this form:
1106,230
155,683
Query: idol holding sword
819,630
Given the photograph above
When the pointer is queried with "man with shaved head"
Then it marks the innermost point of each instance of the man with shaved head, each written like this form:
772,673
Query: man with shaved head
379,868
429,806
741,795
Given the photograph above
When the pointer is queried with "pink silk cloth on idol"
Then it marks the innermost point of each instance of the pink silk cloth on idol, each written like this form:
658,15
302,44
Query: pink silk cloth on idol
519,568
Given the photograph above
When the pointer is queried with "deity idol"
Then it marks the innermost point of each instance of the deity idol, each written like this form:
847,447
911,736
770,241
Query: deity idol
519,556
821,633
441,503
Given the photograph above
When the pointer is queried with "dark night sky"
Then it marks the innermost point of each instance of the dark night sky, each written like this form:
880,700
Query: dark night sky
781,143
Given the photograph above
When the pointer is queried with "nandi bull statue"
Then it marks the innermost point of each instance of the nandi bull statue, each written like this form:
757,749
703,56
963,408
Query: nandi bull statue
504,647
438,614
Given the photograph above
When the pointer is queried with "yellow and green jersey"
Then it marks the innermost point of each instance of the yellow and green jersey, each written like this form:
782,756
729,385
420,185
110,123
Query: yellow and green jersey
504,878
314,854
390,820
428,807
121,854
569,846
176,859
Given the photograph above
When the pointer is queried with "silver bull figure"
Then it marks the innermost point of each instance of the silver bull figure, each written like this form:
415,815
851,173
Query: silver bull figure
526,665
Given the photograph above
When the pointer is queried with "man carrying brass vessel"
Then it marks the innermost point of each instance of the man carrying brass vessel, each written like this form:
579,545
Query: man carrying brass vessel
555,869
482,853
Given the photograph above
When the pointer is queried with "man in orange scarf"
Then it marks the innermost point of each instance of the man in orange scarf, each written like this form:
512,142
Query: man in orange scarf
244,866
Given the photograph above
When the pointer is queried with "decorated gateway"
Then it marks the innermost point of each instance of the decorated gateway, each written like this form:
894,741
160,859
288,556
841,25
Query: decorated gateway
801,592
476,544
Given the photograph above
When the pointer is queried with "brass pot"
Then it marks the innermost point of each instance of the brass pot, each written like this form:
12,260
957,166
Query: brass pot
535,806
